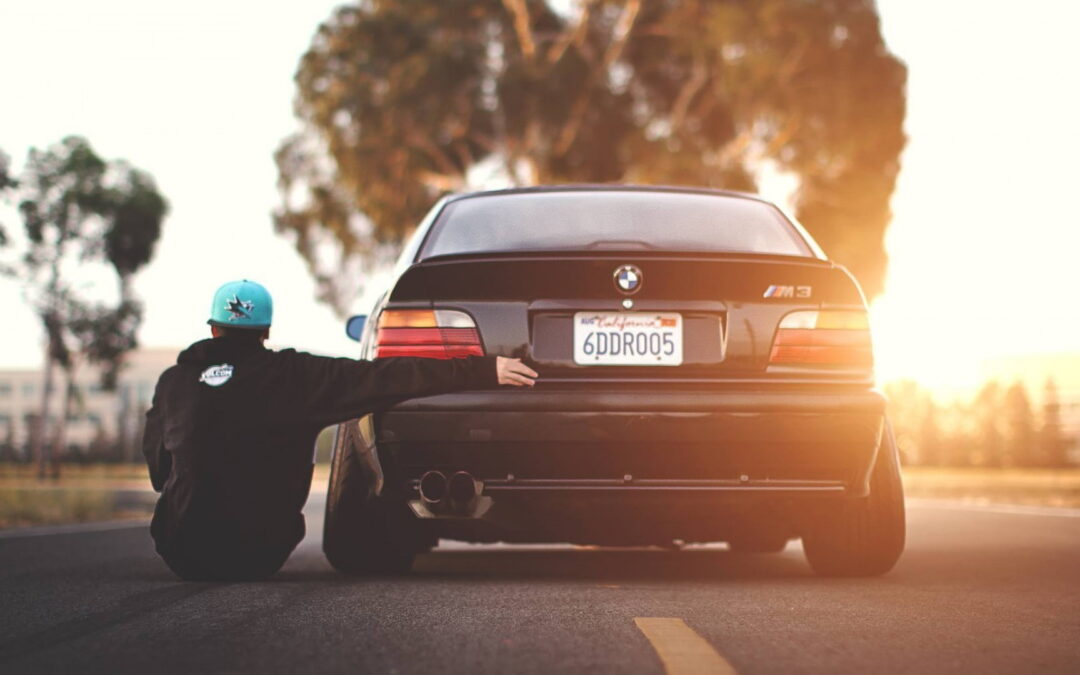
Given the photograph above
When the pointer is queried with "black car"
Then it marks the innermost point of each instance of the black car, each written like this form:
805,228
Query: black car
705,375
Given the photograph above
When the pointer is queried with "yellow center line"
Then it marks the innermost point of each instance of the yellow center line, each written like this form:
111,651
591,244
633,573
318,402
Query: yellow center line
681,650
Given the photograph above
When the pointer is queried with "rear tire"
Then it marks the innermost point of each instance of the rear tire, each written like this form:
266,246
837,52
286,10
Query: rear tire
863,537
365,533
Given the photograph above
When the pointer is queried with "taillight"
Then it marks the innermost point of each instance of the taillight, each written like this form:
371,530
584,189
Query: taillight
432,334
823,338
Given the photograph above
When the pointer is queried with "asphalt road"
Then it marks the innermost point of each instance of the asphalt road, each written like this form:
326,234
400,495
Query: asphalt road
977,591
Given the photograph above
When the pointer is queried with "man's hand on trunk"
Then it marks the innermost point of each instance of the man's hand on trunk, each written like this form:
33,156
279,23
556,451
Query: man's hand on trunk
514,372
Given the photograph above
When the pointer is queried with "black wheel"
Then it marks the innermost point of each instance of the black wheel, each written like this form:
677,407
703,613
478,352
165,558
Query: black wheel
758,543
364,533
863,537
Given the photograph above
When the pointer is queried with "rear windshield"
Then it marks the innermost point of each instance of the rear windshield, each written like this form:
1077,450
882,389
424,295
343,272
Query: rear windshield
614,221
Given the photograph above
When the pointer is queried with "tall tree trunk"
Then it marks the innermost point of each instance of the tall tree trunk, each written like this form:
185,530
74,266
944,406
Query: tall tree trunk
40,446
59,441
9,441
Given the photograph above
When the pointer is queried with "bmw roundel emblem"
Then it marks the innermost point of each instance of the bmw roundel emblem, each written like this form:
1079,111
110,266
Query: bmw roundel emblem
628,279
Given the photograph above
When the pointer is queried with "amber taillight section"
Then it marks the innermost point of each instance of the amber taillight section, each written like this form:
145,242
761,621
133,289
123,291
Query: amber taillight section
426,333
823,338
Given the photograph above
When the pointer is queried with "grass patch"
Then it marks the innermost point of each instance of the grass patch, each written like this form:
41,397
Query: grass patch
23,507
83,493
1029,487
126,476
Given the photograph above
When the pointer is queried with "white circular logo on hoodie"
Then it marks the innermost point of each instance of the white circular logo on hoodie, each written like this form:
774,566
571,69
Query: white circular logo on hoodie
215,376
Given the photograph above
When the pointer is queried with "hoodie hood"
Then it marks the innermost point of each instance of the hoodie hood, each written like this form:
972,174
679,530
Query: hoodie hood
213,351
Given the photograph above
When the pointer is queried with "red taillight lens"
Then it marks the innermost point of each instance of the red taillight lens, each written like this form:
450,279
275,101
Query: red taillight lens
823,338
432,334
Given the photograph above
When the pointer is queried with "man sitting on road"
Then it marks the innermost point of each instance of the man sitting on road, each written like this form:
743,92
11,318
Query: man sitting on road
230,434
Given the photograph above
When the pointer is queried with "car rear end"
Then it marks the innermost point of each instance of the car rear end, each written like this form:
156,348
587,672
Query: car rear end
693,386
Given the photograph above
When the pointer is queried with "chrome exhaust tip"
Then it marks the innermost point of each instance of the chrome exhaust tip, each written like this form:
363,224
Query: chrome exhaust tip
463,493
433,489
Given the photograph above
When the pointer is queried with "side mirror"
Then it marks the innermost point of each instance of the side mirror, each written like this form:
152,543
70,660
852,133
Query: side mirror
354,327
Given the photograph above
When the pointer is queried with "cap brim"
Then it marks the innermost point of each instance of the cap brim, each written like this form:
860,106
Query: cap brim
222,324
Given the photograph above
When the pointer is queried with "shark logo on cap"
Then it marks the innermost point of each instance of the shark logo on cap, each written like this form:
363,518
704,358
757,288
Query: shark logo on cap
239,309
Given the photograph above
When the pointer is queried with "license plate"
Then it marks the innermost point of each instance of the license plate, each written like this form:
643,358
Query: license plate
628,339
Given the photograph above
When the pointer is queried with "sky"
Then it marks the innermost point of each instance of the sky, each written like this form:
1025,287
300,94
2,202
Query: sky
983,241
199,93
985,234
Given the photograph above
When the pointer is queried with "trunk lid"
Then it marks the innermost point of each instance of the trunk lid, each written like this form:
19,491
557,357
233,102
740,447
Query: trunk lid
729,305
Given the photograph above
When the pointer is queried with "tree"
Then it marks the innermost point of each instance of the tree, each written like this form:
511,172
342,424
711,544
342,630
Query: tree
916,421
7,446
988,437
932,448
77,210
1021,447
400,99
7,182
1053,445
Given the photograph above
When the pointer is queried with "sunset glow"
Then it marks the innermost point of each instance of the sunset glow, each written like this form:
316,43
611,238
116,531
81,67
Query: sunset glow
985,233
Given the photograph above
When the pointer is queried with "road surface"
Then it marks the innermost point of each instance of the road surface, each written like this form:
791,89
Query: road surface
977,591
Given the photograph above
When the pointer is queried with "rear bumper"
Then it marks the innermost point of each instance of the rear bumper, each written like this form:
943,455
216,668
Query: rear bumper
792,442
804,398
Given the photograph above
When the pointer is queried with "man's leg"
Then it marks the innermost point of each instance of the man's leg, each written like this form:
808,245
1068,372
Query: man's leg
186,569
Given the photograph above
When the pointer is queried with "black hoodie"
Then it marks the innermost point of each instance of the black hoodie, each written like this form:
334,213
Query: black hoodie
230,438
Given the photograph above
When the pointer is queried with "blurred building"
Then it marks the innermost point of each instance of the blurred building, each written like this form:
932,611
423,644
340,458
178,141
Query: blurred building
96,416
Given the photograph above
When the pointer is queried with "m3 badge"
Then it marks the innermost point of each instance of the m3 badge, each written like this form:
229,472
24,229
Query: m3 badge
775,291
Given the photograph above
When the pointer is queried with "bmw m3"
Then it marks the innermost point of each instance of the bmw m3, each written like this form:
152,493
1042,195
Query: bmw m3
706,375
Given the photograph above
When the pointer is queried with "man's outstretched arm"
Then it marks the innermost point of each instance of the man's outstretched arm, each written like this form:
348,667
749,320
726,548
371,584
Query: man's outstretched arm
341,389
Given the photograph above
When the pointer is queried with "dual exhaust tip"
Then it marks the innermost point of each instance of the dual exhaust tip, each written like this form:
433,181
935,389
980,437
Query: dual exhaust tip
459,494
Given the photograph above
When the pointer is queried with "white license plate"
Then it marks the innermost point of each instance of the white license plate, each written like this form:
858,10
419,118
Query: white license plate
628,339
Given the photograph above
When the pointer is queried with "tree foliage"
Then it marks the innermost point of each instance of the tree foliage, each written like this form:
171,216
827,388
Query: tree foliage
400,99
998,427
7,182
1053,444
6,179
78,209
